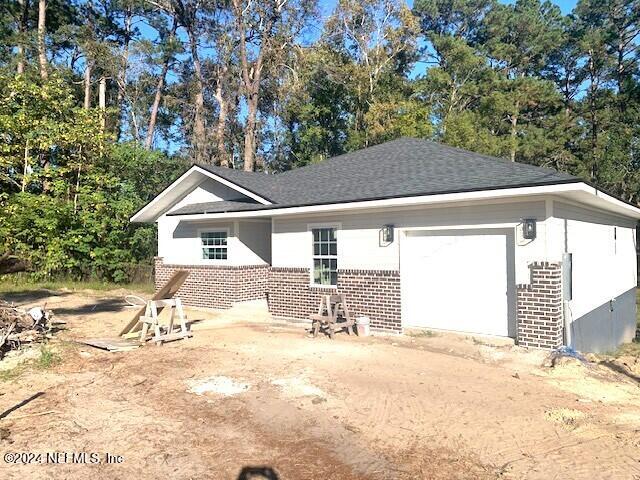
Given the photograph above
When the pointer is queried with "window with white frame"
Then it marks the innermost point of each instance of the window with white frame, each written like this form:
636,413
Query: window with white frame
214,245
325,256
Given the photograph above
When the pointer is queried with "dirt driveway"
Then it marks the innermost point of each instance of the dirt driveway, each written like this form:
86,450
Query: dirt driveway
266,395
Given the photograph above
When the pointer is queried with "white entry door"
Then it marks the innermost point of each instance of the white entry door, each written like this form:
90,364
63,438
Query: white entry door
455,281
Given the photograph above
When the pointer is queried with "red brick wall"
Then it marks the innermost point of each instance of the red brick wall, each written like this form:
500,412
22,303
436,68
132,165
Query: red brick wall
540,307
216,286
374,293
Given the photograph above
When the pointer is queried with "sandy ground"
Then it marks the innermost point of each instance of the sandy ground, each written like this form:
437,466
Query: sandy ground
254,394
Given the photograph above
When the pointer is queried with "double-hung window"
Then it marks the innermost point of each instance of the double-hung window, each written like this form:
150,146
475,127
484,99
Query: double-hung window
214,245
325,256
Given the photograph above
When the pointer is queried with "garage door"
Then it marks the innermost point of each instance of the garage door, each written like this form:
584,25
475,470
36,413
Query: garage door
455,281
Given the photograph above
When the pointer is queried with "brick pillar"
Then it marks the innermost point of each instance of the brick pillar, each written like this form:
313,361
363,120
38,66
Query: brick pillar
540,322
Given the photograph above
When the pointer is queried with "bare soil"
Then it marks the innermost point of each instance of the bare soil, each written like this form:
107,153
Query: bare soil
259,394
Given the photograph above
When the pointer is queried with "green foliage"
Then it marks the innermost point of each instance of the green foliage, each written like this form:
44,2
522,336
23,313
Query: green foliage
515,79
70,215
47,359
519,80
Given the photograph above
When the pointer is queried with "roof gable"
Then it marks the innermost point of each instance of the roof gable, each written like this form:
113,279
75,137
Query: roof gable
210,186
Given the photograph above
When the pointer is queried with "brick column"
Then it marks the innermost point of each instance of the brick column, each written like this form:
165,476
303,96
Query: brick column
374,293
540,307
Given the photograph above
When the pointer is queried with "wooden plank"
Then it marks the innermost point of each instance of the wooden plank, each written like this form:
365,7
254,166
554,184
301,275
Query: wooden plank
170,336
166,302
110,344
167,291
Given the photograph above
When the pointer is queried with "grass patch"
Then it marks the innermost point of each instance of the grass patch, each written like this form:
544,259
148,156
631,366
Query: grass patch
47,359
8,375
423,333
627,349
17,283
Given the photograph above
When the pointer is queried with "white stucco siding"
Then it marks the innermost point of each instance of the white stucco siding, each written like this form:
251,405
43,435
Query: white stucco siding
208,191
359,245
255,238
179,242
603,254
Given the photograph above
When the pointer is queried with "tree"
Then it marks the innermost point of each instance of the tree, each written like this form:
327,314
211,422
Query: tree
264,29
314,104
168,48
79,225
455,18
23,19
519,38
457,83
379,38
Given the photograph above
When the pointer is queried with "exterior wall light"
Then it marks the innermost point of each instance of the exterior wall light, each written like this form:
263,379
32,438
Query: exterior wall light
529,228
387,234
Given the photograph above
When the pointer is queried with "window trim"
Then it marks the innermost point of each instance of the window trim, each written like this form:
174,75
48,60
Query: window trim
310,227
200,231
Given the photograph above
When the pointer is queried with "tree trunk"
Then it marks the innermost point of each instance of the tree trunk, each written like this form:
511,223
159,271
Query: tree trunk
102,102
199,127
223,158
594,141
251,83
153,117
42,53
122,75
250,132
593,115
87,85
156,105
222,121
26,166
514,138
514,132
22,28
620,67
77,190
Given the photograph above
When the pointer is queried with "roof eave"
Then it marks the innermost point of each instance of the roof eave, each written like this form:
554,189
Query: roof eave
569,186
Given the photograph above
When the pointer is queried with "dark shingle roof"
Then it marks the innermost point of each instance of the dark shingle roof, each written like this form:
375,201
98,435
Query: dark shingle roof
399,168
217,207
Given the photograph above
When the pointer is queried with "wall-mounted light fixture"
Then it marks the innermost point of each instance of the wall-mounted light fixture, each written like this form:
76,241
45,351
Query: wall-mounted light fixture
529,228
387,234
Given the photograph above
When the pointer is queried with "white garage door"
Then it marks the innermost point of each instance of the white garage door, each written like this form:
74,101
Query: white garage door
455,281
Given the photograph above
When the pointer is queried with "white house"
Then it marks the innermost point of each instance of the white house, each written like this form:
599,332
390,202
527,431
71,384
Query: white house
416,234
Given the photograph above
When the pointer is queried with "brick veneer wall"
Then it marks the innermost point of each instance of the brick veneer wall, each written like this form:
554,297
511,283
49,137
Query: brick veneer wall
216,286
540,307
374,293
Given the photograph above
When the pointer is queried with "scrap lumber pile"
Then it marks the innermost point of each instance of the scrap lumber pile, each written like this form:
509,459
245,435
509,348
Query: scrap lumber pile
19,327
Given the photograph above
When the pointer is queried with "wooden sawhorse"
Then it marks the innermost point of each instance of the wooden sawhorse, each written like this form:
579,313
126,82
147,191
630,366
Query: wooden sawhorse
330,308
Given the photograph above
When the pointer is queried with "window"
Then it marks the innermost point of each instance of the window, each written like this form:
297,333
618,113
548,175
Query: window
214,245
325,256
